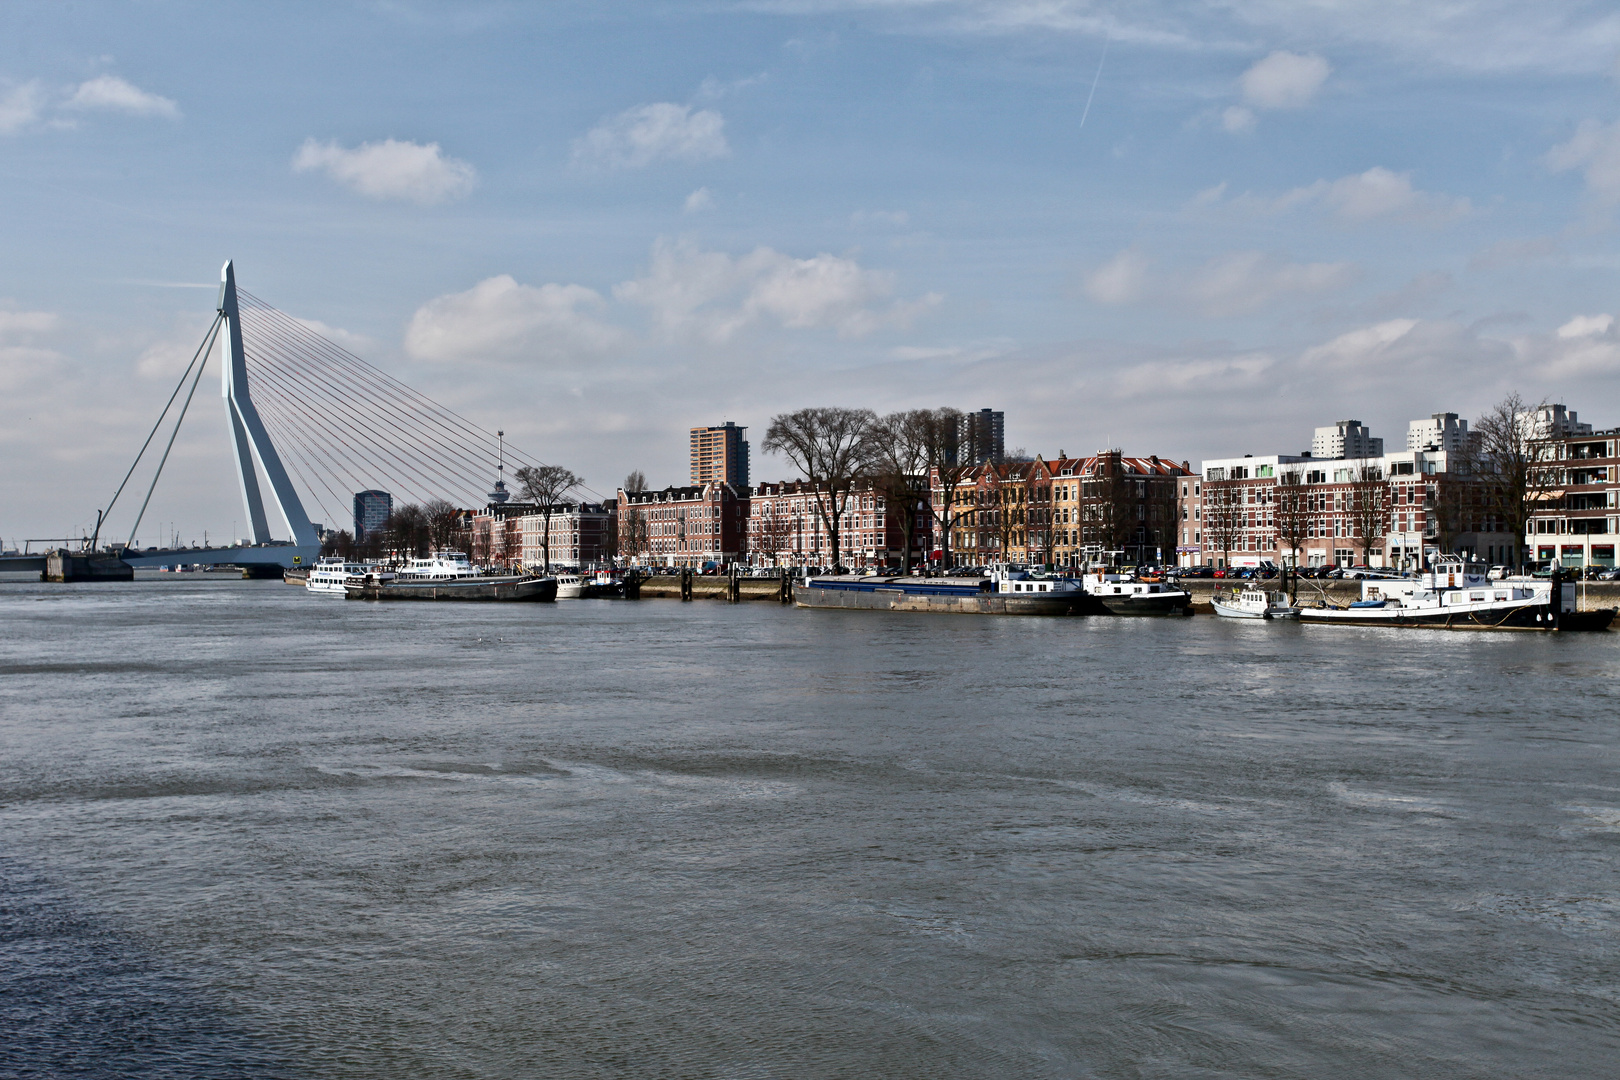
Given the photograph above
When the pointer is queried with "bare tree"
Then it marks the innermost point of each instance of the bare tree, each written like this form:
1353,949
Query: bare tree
340,542
545,485
443,523
833,448
950,460
1515,463
1223,516
1369,509
771,528
901,443
636,481
635,530
1292,512
1106,512
407,531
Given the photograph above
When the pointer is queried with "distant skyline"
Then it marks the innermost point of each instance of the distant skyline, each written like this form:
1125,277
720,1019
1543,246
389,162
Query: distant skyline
1195,230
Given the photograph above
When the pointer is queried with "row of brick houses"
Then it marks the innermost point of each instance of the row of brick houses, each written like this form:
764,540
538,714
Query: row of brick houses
1344,502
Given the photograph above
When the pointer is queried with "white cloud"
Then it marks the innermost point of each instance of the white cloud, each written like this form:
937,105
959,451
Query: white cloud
1246,281
662,131
713,295
117,95
499,319
1363,348
1237,120
698,201
1284,80
1378,193
1584,348
391,169
23,325
1120,280
1596,150
20,107
1586,326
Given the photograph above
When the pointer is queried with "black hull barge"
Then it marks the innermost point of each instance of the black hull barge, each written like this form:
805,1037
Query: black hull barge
932,595
510,589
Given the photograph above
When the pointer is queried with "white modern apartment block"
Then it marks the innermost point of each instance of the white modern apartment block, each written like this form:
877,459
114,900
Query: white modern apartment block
1346,439
1412,481
1552,422
1442,431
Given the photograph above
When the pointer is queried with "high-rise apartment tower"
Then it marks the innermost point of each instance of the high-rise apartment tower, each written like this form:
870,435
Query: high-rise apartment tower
981,437
720,453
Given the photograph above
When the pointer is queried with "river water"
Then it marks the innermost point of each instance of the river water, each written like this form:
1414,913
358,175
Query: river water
249,832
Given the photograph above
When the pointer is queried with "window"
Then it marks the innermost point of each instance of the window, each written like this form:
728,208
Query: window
1215,474
1316,476
1262,471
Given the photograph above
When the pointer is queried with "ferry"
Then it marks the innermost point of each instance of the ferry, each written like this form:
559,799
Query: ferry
1006,591
1454,595
439,566
331,574
1255,604
1121,594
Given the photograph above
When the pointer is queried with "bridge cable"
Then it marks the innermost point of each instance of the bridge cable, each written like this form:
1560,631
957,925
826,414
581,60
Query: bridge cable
202,349
164,460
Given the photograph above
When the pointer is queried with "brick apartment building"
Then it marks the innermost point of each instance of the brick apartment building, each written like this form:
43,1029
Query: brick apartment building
581,535
683,526
1066,511
785,528
1578,510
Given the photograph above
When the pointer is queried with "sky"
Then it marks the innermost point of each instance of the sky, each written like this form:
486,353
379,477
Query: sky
1185,229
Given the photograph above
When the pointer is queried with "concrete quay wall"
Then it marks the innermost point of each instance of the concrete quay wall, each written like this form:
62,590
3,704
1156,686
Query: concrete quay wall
1598,594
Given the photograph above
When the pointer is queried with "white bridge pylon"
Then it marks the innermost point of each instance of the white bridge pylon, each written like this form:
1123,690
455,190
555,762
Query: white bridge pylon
249,440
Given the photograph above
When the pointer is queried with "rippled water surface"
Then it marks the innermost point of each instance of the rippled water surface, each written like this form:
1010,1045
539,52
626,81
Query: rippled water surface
249,832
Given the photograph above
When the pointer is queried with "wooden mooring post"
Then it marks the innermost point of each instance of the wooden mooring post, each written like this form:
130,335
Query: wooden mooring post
686,583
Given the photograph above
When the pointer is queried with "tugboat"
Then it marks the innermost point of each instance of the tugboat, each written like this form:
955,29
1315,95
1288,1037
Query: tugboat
1006,591
1255,604
1121,594
1454,595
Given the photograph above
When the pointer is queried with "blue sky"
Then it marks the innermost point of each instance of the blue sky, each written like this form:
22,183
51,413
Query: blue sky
597,225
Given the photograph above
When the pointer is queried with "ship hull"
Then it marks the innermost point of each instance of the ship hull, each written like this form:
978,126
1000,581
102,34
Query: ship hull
1518,617
950,600
1145,604
534,589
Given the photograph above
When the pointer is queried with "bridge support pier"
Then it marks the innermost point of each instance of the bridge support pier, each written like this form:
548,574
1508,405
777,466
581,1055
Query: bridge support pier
62,565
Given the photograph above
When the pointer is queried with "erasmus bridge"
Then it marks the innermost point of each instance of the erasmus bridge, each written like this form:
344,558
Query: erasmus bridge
308,420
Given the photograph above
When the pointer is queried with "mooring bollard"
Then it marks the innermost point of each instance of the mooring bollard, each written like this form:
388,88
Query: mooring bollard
632,584
784,592
686,583
735,588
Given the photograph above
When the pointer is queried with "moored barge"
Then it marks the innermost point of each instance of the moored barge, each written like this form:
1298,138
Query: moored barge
1004,592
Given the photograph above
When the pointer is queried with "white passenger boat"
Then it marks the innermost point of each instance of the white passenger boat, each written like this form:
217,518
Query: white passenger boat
330,574
440,566
1453,595
1255,604
570,587
1122,594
